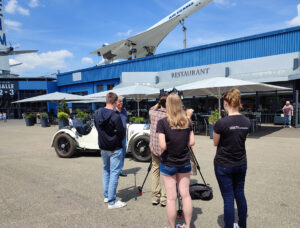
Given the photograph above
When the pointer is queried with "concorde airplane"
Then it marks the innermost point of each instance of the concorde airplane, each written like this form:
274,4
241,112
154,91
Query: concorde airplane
145,43
7,51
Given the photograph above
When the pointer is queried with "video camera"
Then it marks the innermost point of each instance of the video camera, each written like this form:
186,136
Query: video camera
174,90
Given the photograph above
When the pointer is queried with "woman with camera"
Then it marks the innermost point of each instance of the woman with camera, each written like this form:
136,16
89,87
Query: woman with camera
175,138
230,161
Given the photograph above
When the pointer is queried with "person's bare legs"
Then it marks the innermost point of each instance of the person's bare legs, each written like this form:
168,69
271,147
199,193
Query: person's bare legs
170,185
183,180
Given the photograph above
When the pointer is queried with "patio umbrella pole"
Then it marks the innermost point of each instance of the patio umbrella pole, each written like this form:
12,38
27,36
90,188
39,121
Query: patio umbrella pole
138,108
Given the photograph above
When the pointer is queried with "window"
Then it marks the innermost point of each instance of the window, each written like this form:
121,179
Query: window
83,93
99,88
110,86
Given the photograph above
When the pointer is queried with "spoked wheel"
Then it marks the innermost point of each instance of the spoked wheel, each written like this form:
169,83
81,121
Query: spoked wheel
64,146
140,148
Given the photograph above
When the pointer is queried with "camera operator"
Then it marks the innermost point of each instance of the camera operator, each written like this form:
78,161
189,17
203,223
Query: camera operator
156,113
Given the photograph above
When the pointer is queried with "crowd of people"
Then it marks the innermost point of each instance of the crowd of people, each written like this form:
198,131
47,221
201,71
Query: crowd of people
171,140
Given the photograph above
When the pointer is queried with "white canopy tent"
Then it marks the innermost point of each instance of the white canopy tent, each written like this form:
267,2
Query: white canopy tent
53,97
136,92
219,85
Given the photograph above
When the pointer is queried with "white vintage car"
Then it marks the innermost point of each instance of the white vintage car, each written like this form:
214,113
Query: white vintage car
68,140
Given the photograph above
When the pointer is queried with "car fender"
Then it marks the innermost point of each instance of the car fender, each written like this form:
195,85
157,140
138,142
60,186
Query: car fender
64,131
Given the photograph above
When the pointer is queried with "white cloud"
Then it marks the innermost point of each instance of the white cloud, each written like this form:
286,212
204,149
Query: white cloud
87,60
13,62
14,25
13,7
124,33
52,60
294,22
34,3
226,3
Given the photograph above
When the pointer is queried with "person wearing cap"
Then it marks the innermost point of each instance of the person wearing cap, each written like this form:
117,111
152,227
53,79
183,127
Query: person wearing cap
123,114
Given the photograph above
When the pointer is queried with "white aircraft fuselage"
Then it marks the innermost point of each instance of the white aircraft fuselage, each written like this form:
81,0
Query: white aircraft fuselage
145,43
184,11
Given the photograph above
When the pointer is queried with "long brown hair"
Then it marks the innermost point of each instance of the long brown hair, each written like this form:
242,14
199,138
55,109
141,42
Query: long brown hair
176,115
233,97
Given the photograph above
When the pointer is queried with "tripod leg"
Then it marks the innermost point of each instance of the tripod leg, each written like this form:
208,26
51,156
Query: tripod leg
140,188
179,211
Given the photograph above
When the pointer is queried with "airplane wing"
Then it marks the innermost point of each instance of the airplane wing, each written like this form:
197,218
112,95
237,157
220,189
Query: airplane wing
145,43
5,53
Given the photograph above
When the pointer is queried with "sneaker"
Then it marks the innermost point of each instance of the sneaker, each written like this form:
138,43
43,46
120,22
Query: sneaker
155,202
105,200
179,226
290,126
163,203
117,204
123,174
235,225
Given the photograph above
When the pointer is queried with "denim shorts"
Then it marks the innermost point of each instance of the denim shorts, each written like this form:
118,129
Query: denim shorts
170,171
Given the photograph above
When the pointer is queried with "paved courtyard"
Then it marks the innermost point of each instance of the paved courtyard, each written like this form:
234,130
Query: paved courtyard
39,189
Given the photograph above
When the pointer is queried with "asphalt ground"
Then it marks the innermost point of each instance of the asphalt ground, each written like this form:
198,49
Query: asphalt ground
39,189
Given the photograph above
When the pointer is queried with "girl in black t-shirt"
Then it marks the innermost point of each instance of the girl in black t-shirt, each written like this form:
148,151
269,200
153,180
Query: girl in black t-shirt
175,136
230,161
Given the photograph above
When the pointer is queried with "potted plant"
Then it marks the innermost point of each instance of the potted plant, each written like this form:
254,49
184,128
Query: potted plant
135,119
62,119
44,119
212,119
81,116
29,119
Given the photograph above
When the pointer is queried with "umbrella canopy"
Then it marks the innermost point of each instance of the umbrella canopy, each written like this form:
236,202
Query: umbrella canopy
219,85
136,92
90,100
53,97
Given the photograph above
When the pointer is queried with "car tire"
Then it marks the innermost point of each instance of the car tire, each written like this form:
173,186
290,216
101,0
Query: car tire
140,148
64,145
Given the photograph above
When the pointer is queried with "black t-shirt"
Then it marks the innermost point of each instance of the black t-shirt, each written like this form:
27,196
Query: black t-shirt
177,153
231,150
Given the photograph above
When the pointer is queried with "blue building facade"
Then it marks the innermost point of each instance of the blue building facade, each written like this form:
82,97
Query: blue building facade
17,88
261,45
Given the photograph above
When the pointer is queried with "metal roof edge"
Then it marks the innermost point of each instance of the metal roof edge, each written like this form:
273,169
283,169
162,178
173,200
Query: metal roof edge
251,37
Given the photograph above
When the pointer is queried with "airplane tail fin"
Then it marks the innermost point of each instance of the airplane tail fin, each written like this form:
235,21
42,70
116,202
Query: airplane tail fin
2,29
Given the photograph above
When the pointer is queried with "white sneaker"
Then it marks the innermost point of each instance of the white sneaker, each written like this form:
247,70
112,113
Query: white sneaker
117,204
105,200
235,225
290,126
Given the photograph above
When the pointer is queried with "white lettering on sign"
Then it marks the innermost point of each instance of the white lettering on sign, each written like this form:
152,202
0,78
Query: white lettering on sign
188,73
76,76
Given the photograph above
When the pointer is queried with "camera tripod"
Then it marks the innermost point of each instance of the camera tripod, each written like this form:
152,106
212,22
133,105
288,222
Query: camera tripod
140,189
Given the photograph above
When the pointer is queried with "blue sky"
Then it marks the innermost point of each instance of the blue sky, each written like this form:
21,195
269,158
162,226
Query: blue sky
65,31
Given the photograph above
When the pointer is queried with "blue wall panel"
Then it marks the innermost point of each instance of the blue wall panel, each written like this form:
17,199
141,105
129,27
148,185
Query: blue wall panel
33,85
267,44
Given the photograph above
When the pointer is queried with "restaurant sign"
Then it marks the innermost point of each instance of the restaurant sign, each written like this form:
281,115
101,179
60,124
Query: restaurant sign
190,72
8,88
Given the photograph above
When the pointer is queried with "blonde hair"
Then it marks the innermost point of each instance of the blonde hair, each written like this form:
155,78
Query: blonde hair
233,97
176,115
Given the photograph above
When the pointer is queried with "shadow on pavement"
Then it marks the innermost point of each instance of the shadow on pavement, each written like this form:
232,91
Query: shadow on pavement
221,218
196,212
264,131
131,192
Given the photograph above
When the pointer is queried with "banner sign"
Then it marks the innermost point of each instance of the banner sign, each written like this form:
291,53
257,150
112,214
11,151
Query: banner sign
9,88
